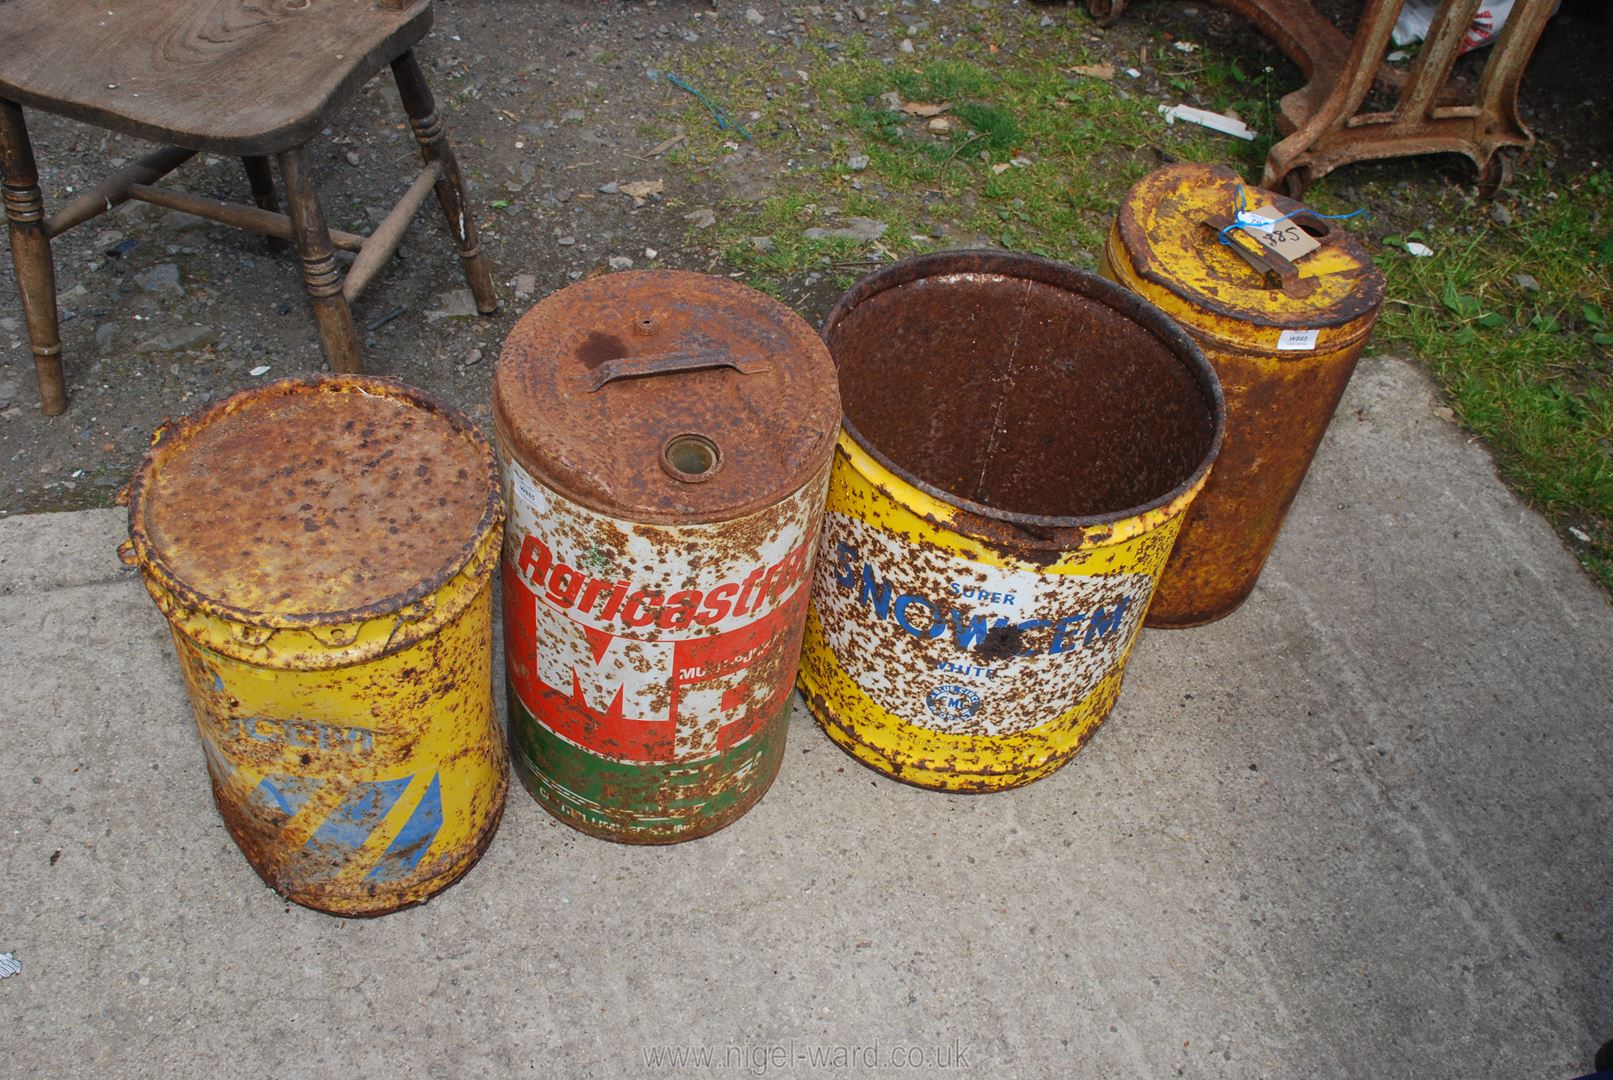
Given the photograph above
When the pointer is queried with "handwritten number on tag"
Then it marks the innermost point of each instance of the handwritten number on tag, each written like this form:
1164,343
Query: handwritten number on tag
1285,238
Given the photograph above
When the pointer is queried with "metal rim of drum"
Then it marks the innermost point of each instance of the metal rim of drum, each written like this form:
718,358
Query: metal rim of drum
1045,271
171,435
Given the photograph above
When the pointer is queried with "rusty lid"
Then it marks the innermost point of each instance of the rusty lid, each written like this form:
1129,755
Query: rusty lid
314,500
1168,231
664,396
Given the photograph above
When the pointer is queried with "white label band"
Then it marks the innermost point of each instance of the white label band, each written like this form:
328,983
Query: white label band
962,647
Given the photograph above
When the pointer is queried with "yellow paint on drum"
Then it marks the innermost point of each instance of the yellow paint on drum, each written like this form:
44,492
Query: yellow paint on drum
345,707
1284,351
862,490
1021,442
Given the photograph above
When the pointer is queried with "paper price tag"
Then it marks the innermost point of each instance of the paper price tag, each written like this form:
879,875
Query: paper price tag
1296,341
1285,238
528,492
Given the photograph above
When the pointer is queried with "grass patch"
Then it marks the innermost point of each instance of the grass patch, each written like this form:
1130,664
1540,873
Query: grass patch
1513,321
1027,156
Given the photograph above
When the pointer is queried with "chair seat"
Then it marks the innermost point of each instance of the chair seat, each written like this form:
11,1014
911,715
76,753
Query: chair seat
239,77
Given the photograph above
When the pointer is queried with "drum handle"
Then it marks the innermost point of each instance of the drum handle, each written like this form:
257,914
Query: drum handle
637,367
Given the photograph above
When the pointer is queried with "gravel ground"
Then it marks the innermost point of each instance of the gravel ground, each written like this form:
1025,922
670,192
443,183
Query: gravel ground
547,104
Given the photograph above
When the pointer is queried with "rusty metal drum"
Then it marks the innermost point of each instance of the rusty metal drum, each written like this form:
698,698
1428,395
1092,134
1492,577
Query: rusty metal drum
1284,338
323,549
666,440
1021,442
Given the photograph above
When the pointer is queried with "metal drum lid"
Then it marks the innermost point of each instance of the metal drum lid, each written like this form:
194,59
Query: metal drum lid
307,500
666,397
1168,231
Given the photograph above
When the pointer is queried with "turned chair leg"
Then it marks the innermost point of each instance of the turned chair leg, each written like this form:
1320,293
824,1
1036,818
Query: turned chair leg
337,335
262,181
428,130
30,254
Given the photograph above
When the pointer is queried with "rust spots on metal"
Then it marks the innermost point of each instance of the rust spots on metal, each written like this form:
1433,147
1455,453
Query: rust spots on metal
650,666
696,354
655,807
418,716
305,875
641,366
1277,414
598,348
1160,229
323,550
1022,441
666,439
1032,396
1278,401
314,501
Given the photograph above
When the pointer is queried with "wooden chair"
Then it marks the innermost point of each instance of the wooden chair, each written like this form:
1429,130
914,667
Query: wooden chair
252,79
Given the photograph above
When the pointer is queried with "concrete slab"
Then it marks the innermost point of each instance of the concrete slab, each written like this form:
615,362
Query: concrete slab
1356,830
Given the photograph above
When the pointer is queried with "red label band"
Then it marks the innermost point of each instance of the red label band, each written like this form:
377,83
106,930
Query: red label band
566,588
652,700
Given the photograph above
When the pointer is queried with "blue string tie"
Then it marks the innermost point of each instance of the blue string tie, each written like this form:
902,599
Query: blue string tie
1243,219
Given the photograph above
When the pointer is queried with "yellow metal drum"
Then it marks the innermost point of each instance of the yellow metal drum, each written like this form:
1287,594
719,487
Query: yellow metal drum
1021,442
1284,341
323,550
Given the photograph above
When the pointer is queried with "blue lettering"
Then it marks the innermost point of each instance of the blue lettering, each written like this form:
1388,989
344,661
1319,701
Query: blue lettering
936,626
1063,639
879,591
845,574
354,739
251,725
1102,623
969,630
1028,625
310,734
970,635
